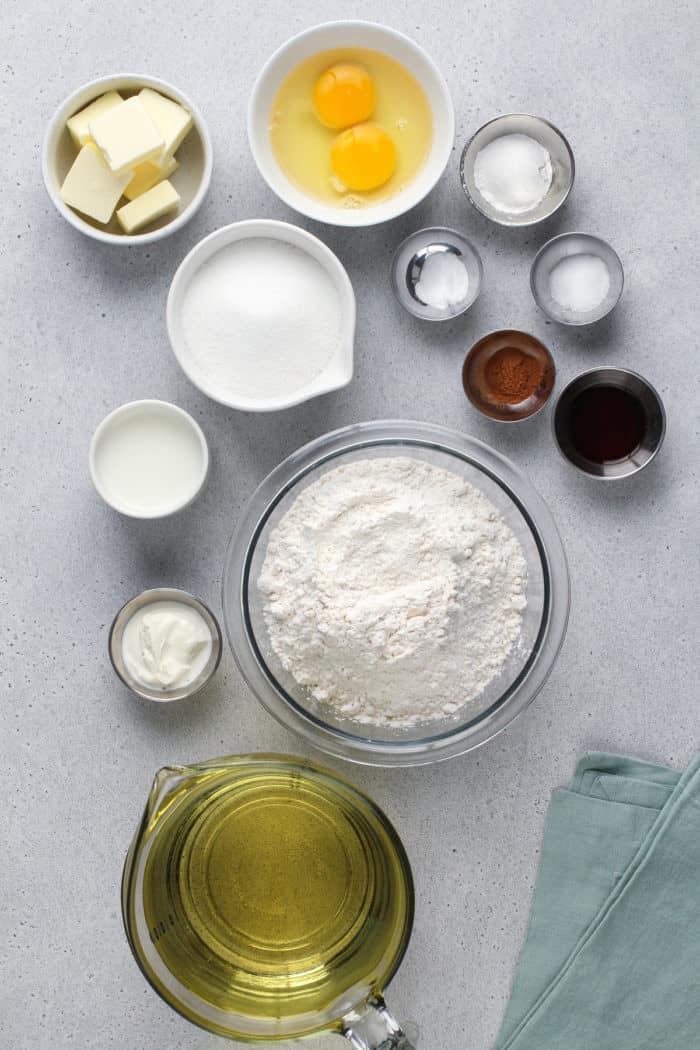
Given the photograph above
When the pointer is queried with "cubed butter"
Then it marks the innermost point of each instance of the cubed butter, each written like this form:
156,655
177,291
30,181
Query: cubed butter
151,205
149,174
91,188
127,136
78,125
172,120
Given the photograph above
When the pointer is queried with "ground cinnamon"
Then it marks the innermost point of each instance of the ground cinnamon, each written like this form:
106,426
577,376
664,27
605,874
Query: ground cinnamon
513,375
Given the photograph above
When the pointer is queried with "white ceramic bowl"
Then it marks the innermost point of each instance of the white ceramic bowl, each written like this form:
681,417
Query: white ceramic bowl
338,371
186,491
339,35
191,180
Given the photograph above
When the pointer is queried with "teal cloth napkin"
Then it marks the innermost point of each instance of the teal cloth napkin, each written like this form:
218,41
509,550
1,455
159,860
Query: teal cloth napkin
612,956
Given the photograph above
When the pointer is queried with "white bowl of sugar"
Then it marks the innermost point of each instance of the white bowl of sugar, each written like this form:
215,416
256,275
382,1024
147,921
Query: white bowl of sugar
261,316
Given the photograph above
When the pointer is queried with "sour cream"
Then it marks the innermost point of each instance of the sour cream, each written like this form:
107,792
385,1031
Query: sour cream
166,645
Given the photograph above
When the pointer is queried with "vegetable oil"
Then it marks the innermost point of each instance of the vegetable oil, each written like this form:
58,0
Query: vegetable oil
276,894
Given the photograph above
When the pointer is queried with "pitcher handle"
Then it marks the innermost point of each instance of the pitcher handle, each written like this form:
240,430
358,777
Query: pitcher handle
372,1027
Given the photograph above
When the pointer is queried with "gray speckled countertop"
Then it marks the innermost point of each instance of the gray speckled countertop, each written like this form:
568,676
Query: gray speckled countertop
83,330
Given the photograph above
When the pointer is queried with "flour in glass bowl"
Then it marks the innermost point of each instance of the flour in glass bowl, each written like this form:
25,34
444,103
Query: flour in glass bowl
393,591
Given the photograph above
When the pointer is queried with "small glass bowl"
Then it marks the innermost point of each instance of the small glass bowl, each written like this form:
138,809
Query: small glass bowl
563,167
163,594
403,263
530,661
564,246
654,413
477,386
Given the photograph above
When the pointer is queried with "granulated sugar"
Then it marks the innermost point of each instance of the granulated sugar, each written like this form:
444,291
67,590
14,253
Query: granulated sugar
262,319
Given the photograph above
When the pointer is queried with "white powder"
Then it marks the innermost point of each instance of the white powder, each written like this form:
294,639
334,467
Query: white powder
513,173
579,283
393,591
261,318
443,281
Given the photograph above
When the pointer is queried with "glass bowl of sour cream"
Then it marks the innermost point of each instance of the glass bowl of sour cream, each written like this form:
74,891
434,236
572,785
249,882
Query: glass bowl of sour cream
165,644
438,460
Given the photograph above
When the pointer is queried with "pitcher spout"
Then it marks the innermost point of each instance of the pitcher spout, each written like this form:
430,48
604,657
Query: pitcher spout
166,788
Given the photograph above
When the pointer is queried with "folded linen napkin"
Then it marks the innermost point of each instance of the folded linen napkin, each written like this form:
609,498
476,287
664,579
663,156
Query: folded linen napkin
612,956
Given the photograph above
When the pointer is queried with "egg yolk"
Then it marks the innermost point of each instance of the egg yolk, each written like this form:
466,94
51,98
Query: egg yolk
363,157
344,95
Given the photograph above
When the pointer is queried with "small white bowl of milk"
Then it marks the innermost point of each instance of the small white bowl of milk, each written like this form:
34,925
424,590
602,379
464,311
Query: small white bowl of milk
149,459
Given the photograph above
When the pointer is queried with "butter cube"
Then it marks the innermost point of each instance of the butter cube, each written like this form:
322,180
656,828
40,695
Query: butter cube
149,174
150,206
172,120
78,125
127,136
91,188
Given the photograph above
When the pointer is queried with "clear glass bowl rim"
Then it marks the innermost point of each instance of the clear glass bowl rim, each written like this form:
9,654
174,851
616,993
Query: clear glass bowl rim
358,749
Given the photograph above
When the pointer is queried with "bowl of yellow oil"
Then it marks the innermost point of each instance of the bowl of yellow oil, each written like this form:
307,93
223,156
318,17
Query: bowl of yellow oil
351,123
265,898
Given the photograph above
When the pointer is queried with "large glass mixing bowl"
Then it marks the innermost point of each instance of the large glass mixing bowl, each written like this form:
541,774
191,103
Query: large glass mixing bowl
530,661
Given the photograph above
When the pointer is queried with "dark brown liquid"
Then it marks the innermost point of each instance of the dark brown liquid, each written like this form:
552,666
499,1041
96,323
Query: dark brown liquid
607,423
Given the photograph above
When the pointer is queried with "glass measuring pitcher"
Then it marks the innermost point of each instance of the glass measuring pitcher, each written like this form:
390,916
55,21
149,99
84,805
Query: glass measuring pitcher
265,898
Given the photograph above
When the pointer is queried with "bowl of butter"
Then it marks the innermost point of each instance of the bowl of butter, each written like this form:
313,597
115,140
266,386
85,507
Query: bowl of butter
127,159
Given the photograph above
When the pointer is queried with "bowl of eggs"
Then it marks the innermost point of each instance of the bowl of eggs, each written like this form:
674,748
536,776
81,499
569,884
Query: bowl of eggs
351,123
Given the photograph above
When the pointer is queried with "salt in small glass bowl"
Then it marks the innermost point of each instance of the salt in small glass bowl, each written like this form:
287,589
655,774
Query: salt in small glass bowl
560,152
116,635
564,246
402,263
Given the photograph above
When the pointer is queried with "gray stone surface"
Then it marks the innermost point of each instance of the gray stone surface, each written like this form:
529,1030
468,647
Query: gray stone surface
83,331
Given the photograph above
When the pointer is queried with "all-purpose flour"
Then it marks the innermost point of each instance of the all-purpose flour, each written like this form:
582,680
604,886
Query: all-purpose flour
393,590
